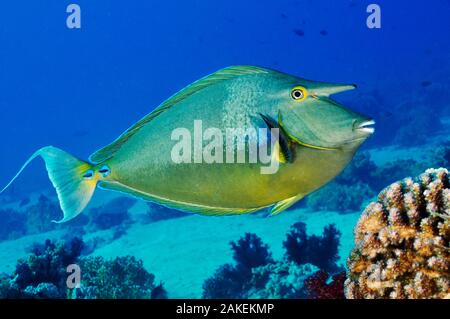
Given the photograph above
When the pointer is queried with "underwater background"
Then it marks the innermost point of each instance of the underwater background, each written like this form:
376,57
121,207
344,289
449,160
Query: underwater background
78,89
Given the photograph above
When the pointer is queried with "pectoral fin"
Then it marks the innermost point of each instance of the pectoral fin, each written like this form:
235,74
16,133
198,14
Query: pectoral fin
285,204
277,154
283,151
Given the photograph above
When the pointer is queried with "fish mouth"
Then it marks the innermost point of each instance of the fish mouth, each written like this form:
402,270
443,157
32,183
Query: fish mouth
366,127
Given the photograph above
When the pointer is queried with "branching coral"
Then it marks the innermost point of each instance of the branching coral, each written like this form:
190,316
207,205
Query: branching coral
280,280
256,275
227,282
44,274
321,251
402,242
120,278
250,252
232,281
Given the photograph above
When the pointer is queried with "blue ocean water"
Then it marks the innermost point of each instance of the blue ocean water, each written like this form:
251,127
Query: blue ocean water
78,89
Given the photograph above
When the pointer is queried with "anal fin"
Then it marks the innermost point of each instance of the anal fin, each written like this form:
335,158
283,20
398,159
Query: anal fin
182,206
278,154
285,204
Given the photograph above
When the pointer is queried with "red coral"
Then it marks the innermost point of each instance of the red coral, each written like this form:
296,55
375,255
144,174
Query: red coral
317,287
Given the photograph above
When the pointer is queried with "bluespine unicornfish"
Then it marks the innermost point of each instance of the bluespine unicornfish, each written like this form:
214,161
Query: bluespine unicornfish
317,138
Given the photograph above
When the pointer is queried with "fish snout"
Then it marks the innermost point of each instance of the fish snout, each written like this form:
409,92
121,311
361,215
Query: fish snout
365,127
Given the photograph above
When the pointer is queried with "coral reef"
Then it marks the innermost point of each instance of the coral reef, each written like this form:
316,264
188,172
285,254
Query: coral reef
280,280
44,273
321,251
44,290
226,283
250,252
256,275
402,241
316,286
232,281
120,278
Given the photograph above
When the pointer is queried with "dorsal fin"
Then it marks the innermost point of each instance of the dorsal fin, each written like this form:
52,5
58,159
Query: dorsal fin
221,75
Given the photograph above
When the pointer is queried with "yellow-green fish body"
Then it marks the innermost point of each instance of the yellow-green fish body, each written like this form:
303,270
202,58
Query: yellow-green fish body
318,138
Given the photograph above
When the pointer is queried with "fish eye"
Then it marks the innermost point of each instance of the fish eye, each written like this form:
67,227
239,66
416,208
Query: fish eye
299,93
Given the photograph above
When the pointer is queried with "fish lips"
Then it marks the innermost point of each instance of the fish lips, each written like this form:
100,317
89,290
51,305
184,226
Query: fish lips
364,127
362,130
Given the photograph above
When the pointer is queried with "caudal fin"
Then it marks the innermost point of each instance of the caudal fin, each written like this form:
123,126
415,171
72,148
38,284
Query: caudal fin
73,179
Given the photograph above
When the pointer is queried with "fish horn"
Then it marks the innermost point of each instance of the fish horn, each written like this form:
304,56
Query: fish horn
73,179
327,89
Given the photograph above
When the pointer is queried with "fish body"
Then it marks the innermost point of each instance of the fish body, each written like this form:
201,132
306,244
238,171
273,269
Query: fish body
317,139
